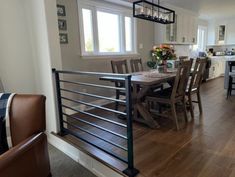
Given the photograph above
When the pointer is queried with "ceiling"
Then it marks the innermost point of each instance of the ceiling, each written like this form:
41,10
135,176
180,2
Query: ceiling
207,9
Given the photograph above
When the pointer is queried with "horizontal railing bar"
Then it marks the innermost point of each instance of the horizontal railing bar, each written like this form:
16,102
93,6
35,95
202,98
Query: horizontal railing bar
95,106
93,85
96,126
97,136
92,95
93,144
95,116
93,73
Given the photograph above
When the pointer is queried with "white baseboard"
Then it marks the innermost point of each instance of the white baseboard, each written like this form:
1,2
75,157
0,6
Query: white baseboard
85,160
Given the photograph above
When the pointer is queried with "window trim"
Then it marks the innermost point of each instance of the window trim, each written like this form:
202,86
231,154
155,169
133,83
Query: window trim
103,7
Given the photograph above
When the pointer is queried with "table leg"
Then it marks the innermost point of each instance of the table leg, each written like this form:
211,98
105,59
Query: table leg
141,109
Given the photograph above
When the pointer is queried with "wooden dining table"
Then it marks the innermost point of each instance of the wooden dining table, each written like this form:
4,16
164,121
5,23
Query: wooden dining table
147,81
142,83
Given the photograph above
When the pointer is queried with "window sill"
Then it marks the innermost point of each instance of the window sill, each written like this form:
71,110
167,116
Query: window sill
110,56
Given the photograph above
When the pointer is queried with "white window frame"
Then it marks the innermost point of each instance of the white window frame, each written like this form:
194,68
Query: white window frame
103,7
203,28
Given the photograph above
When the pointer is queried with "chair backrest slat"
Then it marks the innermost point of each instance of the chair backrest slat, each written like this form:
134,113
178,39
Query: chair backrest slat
181,79
119,67
231,64
136,65
197,74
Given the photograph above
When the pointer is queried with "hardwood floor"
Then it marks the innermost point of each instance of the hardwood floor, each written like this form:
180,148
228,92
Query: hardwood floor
203,148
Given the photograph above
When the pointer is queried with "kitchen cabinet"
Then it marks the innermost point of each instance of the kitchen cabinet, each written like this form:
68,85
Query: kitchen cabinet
183,31
171,32
188,26
194,30
217,67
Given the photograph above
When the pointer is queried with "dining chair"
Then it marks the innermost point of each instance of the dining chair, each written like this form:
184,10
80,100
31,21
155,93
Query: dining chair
195,83
175,94
120,67
136,65
231,76
181,58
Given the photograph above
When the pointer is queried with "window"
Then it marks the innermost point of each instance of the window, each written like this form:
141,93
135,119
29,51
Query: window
201,39
108,32
128,36
88,34
105,31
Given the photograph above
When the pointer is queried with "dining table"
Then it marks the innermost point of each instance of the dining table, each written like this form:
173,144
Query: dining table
142,83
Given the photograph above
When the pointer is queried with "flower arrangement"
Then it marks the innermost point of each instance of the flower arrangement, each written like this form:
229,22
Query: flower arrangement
160,54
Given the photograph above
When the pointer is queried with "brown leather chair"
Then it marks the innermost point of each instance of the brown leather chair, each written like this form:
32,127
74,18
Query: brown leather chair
29,155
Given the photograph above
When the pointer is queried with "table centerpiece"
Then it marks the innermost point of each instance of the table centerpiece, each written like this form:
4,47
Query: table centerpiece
160,55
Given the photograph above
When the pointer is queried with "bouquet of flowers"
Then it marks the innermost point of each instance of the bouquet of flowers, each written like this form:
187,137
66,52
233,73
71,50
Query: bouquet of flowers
160,55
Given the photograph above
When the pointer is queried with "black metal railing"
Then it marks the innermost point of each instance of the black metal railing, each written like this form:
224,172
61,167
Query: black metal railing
99,130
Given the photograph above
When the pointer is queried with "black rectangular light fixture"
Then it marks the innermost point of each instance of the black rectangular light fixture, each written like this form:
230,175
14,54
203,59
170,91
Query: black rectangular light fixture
153,12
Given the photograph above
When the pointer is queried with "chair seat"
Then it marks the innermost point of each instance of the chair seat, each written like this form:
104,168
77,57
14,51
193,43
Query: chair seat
165,93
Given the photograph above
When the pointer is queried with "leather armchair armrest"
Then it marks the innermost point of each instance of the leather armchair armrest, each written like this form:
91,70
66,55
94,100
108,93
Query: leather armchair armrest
27,159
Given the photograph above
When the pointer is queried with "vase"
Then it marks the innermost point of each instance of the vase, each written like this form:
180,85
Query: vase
162,67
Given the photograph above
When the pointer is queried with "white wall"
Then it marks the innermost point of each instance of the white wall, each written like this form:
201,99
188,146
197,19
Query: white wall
16,59
42,23
202,22
29,47
213,30
71,52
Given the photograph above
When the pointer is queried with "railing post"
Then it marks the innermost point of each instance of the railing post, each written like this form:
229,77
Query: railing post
130,171
59,103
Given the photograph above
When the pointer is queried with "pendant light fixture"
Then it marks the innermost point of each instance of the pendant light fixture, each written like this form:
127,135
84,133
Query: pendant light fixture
146,10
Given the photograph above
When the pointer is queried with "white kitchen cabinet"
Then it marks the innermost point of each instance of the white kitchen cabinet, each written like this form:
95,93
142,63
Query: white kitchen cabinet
188,27
193,31
214,70
171,32
217,67
184,31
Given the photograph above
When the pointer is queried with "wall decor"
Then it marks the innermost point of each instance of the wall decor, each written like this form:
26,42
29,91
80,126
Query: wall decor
221,32
62,24
63,38
61,10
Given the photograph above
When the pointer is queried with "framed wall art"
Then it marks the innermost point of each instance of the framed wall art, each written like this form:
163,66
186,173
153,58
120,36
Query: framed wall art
61,10
63,38
62,24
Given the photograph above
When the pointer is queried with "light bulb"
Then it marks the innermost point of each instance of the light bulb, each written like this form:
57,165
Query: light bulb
142,10
161,16
148,12
155,14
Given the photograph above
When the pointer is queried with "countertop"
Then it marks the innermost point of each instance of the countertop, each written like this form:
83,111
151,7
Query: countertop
227,58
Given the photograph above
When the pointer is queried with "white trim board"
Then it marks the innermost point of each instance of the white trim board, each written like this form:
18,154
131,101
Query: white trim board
85,160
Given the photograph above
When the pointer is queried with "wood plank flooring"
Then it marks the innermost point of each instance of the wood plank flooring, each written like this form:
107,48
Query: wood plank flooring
203,148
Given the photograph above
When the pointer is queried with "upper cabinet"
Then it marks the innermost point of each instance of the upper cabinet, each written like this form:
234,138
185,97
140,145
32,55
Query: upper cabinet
221,32
183,31
171,32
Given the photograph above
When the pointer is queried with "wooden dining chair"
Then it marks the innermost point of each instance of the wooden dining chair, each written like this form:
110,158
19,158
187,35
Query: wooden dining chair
181,58
195,83
136,65
231,74
174,94
120,67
